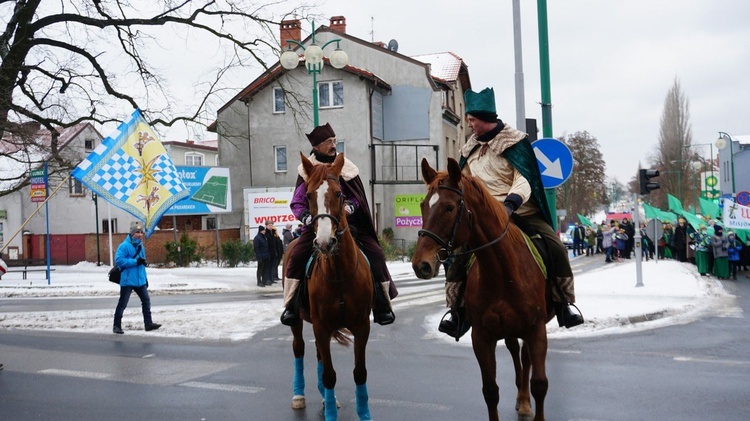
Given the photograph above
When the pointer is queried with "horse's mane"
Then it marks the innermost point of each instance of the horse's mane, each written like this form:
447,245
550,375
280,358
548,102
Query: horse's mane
475,191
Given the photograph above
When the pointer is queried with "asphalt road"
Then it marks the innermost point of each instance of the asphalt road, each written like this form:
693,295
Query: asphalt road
697,371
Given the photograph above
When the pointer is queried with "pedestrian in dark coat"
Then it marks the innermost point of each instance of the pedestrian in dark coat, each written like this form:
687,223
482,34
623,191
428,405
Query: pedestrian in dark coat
630,242
272,250
680,240
263,256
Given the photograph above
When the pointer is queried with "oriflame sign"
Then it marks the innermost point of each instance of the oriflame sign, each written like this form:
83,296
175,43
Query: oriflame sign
408,214
39,185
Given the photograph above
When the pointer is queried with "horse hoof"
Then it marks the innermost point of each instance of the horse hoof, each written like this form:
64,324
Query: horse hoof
298,402
524,409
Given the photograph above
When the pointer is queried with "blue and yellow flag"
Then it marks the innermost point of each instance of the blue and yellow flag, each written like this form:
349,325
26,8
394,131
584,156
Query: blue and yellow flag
131,170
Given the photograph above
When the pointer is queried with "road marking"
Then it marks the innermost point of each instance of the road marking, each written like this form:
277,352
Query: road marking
223,387
708,360
562,351
73,373
412,405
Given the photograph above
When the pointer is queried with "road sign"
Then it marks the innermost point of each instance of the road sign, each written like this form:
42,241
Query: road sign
555,161
743,198
650,229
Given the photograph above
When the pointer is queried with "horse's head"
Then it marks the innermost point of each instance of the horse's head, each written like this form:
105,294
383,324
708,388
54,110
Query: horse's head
326,202
444,219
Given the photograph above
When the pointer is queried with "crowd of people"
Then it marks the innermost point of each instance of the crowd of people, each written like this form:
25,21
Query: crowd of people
713,251
269,249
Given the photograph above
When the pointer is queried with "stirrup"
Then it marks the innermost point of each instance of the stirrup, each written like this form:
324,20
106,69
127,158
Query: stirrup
566,317
454,326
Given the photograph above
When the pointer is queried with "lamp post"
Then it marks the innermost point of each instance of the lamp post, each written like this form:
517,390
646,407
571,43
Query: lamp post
314,63
721,143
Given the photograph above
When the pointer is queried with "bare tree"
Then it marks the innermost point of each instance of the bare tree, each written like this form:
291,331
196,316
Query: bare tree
673,154
586,190
74,61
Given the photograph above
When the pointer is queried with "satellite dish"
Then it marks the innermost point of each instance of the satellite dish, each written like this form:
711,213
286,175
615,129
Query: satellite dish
393,45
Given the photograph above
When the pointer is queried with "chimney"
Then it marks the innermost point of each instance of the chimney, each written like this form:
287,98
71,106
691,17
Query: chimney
290,29
338,24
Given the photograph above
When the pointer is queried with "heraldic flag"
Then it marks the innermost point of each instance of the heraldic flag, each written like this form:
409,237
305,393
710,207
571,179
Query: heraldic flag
131,170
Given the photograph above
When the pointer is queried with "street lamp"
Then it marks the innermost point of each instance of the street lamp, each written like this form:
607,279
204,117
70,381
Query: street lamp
721,143
314,58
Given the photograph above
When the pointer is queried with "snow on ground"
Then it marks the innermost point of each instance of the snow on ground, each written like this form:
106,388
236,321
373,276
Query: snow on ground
673,293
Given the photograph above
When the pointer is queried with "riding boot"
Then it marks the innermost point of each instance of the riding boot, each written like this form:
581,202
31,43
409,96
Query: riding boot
382,311
562,295
290,316
454,322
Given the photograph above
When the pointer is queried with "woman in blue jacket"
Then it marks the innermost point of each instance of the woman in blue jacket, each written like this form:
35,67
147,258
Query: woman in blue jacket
131,259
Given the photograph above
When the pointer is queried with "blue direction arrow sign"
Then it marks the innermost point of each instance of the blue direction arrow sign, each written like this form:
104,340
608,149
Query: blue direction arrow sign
555,161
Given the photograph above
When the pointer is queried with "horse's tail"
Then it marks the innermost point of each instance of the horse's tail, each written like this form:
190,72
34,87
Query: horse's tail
343,337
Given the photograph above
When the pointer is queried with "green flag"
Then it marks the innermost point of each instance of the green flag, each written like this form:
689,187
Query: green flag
693,220
651,212
674,204
709,208
585,221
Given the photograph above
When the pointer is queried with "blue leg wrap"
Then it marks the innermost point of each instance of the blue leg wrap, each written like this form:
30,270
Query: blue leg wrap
299,377
331,411
363,409
320,379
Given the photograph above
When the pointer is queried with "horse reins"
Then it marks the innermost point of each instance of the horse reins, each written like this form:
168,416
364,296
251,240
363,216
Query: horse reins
448,246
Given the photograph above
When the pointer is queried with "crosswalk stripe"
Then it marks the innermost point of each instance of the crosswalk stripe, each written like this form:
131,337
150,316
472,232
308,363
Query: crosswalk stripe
74,373
223,387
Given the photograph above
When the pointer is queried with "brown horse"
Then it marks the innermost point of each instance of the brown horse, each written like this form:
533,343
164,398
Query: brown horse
506,295
340,292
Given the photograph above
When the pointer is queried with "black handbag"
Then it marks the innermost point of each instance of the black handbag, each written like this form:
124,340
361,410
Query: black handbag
114,275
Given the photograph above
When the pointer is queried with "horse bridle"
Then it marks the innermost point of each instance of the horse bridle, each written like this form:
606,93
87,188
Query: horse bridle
447,246
335,219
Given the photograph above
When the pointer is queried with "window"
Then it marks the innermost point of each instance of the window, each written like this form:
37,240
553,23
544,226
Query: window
89,145
105,225
278,101
279,153
211,222
331,94
193,159
75,187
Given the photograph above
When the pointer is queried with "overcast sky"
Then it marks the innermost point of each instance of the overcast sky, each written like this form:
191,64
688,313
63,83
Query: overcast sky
612,62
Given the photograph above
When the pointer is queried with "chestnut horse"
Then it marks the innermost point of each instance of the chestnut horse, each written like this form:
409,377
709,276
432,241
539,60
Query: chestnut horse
340,292
506,295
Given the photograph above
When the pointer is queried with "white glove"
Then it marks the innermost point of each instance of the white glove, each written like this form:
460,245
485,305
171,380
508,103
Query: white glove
307,220
349,208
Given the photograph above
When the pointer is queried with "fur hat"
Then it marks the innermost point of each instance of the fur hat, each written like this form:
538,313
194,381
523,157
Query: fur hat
261,228
320,134
136,227
482,104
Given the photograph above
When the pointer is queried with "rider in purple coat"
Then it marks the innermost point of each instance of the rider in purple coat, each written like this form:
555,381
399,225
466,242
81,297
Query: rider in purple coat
323,141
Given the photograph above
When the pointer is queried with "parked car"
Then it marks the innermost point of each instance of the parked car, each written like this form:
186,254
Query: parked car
567,237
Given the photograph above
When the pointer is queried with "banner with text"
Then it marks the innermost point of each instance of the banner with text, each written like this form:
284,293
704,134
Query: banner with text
210,191
736,215
268,204
408,214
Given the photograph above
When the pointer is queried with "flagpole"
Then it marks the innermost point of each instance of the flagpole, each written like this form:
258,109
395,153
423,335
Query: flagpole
109,221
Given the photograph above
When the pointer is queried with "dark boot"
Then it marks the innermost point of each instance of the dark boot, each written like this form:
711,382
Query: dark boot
566,317
381,310
454,323
117,329
290,316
